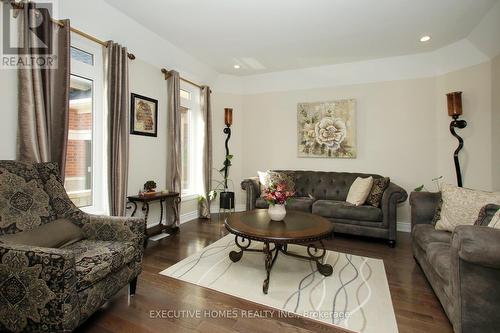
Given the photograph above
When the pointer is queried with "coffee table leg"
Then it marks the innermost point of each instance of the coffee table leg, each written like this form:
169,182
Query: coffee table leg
313,250
270,260
269,264
236,256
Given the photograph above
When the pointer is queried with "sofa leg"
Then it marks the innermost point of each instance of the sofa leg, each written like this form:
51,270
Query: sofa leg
391,243
131,287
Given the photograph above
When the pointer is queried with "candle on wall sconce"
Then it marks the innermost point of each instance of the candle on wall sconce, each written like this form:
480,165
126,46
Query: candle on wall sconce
455,110
454,104
228,116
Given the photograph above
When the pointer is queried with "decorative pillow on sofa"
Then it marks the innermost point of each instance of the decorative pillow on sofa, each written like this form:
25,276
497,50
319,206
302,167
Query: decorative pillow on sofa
437,213
359,191
379,186
486,214
269,177
461,206
495,221
55,234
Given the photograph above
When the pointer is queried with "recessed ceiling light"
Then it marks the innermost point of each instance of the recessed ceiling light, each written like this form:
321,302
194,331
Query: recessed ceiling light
425,39
236,66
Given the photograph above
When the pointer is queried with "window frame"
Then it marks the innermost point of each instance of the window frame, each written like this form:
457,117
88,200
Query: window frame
193,107
94,73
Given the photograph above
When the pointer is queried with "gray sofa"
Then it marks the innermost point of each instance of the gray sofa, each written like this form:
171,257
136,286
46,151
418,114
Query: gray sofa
462,267
324,194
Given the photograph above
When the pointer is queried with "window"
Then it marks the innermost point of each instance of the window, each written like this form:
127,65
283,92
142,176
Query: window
84,174
78,175
191,142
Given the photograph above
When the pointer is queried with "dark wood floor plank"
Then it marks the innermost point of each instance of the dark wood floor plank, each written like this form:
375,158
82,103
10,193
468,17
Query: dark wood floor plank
416,307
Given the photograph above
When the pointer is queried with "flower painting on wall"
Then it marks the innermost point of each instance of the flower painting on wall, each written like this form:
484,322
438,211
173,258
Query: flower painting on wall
327,129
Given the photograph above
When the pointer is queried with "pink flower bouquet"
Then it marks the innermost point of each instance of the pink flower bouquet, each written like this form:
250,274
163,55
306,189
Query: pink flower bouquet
278,193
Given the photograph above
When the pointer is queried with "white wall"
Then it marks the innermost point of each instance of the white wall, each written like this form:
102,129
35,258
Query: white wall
148,154
475,157
402,130
495,122
395,130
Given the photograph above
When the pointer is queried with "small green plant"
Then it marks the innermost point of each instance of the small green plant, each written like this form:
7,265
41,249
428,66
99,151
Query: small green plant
422,188
219,185
149,186
225,169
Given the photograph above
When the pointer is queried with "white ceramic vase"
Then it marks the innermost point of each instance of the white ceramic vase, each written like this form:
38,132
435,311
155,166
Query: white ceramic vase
276,212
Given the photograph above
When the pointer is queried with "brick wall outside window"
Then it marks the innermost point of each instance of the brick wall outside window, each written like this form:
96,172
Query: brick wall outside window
76,155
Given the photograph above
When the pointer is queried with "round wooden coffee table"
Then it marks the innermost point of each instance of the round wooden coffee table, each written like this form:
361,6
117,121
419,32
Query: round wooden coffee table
297,228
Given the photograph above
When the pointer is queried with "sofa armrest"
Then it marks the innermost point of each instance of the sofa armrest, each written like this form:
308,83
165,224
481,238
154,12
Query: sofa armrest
38,289
393,195
475,272
252,189
423,206
114,228
477,245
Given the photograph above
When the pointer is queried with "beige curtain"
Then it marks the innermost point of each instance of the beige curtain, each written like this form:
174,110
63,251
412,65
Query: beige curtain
117,93
174,133
43,92
206,110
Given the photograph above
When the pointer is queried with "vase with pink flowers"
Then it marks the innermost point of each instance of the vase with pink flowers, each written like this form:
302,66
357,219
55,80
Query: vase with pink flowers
277,194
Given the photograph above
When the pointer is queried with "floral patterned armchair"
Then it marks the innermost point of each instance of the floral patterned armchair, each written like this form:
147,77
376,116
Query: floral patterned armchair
56,289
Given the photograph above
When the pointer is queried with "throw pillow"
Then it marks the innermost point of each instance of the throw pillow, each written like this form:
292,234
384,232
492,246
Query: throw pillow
495,221
359,191
272,177
55,234
379,186
486,214
437,213
461,206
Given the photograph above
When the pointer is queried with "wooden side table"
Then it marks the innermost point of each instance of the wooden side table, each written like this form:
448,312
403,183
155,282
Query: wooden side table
172,197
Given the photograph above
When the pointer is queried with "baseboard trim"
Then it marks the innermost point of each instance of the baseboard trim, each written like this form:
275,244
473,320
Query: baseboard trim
404,226
237,208
188,216
401,226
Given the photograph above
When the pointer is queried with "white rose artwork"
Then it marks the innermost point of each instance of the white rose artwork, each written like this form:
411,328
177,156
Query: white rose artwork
327,129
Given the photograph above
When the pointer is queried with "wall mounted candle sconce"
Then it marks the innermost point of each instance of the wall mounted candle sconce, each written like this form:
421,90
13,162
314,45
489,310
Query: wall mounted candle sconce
455,111
226,201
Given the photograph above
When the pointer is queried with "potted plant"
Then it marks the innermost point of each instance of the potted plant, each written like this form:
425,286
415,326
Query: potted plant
226,198
277,194
218,186
436,180
150,186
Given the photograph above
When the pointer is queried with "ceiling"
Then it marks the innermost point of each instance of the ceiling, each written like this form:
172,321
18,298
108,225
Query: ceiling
272,35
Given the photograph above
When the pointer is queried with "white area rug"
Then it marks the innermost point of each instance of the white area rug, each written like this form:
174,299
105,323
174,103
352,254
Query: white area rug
356,296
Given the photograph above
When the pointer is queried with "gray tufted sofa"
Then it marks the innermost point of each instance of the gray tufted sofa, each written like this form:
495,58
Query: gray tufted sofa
462,267
324,194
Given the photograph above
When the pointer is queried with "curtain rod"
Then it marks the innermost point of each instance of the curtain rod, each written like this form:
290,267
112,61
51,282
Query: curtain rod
167,75
131,56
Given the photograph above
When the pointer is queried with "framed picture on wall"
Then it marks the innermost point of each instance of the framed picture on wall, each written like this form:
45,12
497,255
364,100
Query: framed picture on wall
327,129
144,115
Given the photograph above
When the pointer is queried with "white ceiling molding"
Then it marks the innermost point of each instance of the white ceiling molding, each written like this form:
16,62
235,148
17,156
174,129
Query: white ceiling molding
450,58
486,35
99,19
285,35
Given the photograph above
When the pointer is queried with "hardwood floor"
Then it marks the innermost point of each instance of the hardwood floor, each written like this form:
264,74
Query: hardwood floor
417,308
